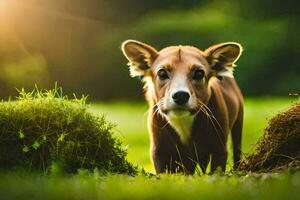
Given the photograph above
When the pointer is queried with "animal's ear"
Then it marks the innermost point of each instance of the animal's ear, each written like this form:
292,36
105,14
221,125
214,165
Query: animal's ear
222,58
140,56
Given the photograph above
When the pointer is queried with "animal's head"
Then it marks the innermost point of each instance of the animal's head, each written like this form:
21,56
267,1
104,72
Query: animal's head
177,77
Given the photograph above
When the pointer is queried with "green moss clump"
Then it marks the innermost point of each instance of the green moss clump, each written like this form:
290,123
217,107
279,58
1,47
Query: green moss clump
45,127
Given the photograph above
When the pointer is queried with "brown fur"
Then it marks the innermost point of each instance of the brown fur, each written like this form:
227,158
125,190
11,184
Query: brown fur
217,108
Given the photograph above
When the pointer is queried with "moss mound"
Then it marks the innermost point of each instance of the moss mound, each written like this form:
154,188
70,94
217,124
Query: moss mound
279,148
45,127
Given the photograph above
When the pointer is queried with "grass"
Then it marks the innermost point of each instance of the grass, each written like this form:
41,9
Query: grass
132,129
44,129
93,186
131,120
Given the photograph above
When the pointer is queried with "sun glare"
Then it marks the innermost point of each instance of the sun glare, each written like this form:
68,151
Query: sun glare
5,7
4,3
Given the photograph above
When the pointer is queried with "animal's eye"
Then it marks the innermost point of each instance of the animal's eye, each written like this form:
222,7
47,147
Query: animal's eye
198,74
162,74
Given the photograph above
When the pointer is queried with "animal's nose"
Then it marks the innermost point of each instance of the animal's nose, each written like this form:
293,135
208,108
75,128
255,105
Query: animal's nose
181,97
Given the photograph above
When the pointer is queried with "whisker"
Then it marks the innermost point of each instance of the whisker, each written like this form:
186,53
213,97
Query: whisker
150,108
158,104
211,117
165,124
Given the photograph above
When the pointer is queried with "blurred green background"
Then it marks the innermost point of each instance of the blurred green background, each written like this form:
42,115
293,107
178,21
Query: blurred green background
77,42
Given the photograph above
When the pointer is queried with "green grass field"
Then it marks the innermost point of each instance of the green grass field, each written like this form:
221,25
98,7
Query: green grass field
131,119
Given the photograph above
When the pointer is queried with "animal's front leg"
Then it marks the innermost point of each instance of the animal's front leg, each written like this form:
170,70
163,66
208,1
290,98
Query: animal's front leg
219,148
218,159
163,162
172,162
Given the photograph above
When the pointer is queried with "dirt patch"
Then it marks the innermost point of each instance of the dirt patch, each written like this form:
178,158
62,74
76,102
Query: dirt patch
279,147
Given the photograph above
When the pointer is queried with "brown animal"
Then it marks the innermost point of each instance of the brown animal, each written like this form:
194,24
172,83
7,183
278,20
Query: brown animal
194,103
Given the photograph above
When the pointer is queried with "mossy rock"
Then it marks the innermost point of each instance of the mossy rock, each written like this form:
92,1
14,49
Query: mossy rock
45,127
279,148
